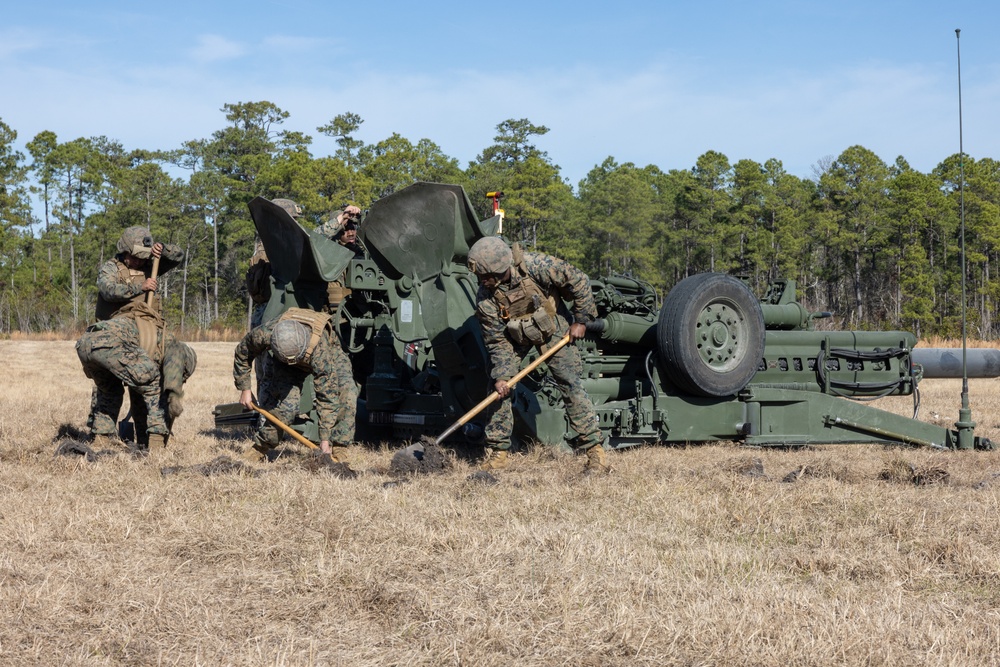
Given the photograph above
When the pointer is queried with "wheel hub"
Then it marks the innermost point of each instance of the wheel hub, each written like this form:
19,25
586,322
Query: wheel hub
720,332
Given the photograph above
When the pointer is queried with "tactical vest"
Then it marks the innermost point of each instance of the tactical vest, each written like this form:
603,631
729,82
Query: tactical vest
530,314
335,293
105,309
318,324
150,325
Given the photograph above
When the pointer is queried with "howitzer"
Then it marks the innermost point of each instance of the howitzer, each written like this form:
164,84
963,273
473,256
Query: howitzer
714,362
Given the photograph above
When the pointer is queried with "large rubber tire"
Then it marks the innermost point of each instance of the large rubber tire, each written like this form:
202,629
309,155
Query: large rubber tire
710,335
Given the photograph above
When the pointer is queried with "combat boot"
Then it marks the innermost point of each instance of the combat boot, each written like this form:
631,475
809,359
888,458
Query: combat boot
257,453
157,442
496,459
339,453
103,440
597,461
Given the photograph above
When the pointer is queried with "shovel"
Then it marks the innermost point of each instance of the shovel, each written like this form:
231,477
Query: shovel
284,427
126,429
495,395
152,274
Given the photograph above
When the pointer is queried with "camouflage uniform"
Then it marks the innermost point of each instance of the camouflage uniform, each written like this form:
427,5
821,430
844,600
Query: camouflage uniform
258,281
333,407
179,363
559,281
119,286
337,291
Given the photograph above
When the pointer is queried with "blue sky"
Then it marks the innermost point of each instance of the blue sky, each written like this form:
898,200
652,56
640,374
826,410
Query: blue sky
645,82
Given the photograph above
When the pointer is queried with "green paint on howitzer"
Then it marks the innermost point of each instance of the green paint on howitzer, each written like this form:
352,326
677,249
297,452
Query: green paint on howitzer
713,363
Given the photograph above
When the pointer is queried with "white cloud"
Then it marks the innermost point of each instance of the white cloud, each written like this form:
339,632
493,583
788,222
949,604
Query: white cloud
212,48
293,43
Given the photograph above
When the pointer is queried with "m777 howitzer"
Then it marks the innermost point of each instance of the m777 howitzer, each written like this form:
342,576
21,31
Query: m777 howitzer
713,363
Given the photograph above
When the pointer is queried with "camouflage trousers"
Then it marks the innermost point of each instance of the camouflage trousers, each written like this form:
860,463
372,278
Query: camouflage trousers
110,354
282,396
347,390
262,364
566,368
179,362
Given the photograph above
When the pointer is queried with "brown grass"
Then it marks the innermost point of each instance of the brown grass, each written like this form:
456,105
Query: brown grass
682,556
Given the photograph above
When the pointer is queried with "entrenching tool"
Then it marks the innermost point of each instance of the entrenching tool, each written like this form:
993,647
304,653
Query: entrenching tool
152,274
495,395
285,427
126,429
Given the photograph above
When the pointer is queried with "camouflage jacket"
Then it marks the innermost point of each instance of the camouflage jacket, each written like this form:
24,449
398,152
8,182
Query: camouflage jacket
258,342
555,277
113,291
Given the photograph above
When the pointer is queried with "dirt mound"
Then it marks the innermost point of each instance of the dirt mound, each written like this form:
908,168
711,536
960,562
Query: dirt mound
320,462
746,466
903,472
820,470
419,459
71,447
220,465
72,432
482,477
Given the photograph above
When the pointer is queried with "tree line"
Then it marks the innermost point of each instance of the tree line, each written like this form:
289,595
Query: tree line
877,244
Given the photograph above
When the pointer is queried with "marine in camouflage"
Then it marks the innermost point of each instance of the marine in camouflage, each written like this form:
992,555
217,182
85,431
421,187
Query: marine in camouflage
342,228
561,282
109,354
336,395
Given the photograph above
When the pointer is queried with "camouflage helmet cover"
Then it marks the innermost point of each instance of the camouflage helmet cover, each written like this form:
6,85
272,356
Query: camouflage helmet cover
132,237
290,207
490,255
289,340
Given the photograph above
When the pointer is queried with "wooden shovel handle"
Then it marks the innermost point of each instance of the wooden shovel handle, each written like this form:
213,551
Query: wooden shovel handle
510,384
156,269
284,427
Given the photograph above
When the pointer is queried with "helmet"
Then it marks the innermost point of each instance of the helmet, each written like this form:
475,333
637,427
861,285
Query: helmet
132,237
490,254
289,340
290,207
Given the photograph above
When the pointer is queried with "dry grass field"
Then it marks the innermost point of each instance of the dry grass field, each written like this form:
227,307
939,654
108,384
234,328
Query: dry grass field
681,556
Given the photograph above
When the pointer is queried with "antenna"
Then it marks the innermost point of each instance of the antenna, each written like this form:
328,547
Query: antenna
965,425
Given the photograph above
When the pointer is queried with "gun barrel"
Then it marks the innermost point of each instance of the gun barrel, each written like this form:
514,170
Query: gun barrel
624,328
944,362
